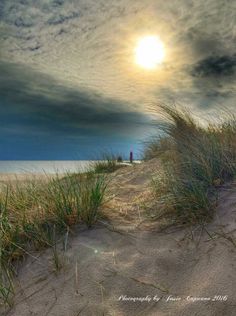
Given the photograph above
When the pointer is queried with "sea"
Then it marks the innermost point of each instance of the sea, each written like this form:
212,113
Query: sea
48,167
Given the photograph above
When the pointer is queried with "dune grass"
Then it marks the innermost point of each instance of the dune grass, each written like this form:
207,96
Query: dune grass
196,160
108,163
34,212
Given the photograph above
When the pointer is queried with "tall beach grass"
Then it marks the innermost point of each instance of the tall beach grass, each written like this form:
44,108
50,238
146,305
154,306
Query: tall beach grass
196,161
35,211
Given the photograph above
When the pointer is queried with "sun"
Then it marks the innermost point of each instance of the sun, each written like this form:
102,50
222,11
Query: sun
149,52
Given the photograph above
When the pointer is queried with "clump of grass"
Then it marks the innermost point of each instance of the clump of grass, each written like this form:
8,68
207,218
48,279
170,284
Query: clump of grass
6,286
196,160
34,213
62,199
75,198
92,194
6,283
108,163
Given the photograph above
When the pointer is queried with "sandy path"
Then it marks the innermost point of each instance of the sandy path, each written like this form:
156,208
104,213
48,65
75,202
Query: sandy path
104,269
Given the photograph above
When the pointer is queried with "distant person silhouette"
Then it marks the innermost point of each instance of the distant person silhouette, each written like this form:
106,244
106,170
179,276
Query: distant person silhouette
131,158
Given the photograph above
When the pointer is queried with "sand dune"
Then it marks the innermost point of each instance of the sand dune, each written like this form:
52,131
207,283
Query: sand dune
128,266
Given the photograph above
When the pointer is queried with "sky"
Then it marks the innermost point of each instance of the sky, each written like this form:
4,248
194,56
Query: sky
69,84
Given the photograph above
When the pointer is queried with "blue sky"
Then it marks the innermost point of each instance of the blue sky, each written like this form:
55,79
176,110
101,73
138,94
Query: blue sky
69,87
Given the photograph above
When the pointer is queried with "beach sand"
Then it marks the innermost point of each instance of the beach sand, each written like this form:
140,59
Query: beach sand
125,256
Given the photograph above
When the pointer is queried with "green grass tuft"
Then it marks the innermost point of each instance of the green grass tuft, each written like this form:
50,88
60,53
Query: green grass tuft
92,195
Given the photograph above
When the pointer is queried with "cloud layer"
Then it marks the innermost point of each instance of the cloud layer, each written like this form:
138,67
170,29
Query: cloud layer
34,106
67,66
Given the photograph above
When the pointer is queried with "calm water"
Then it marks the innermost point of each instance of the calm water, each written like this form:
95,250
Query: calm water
44,166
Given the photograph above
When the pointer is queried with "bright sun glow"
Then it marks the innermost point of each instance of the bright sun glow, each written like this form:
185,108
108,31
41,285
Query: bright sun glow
149,52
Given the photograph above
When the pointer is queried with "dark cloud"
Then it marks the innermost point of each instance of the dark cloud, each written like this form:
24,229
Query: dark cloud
204,43
213,82
39,96
24,22
62,18
34,105
215,66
